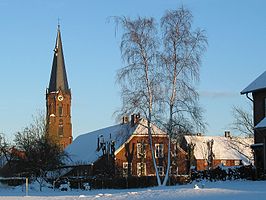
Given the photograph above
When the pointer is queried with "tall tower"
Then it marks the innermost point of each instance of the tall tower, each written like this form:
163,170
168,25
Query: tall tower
58,99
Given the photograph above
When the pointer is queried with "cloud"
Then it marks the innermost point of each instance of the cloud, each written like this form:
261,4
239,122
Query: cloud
218,94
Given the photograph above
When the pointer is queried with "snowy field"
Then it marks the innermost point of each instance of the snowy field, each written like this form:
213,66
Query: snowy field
243,190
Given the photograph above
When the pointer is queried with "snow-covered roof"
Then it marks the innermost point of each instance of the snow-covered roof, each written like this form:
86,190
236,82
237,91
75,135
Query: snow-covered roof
83,149
258,84
224,148
261,124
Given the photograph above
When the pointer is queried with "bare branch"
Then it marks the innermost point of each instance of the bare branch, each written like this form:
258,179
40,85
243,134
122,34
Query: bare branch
243,121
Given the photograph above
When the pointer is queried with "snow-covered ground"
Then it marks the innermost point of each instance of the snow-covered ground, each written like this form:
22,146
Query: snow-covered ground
244,190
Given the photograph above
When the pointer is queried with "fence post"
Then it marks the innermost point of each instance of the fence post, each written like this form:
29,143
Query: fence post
27,186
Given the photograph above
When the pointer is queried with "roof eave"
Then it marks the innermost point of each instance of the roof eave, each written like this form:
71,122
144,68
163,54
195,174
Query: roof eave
252,91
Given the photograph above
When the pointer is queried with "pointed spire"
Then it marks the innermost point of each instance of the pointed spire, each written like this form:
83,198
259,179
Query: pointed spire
58,79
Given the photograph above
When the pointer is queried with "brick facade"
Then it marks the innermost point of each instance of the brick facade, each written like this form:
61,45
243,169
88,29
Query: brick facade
59,127
128,155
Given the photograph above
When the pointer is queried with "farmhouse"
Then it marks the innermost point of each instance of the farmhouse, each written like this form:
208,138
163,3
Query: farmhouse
208,152
123,150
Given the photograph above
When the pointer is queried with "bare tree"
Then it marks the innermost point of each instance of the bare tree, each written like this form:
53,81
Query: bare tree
243,121
37,153
5,151
181,60
138,78
161,85
242,146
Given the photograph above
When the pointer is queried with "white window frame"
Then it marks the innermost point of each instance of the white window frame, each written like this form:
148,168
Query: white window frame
126,167
160,170
223,162
139,150
139,169
159,150
237,162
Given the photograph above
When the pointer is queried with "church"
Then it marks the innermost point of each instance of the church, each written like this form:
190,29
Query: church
58,99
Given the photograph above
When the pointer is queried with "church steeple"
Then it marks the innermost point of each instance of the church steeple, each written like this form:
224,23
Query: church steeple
58,79
58,100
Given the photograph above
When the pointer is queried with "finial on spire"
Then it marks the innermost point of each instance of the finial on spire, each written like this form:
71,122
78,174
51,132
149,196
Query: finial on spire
58,23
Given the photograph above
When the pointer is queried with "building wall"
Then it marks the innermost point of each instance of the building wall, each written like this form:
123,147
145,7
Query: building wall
259,106
259,114
58,115
128,154
201,164
179,160
259,134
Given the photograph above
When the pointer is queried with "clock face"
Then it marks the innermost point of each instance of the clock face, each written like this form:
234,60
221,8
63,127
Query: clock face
60,98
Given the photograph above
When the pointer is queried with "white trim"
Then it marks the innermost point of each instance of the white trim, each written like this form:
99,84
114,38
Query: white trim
162,170
237,162
153,135
138,169
123,145
160,147
127,166
139,144
223,162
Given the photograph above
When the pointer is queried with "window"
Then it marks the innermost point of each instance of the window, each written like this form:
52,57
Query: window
60,131
60,128
223,162
60,111
173,170
237,162
160,170
159,151
127,168
51,108
141,169
141,152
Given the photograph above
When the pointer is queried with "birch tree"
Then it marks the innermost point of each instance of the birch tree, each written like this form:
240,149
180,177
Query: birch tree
138,78
161,85
181,60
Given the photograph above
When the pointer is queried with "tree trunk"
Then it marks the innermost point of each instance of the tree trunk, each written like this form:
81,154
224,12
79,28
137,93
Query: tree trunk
170,129
152,152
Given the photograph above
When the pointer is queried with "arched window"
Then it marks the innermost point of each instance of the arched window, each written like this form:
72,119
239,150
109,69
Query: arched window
60,109
60,128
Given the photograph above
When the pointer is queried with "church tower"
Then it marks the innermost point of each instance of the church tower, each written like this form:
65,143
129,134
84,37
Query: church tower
58,100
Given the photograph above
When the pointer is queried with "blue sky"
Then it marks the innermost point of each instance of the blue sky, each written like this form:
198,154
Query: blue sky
235,56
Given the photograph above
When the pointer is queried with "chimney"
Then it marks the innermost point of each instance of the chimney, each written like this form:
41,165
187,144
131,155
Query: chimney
125,120
134,119
227,134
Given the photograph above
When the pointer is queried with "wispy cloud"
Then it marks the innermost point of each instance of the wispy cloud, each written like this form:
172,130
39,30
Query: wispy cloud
218,94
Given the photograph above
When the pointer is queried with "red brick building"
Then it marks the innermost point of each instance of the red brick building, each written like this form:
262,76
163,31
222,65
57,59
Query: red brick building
131,150
208,152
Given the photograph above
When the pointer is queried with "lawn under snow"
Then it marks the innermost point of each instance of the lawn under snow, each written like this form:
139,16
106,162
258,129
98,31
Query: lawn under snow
244,190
